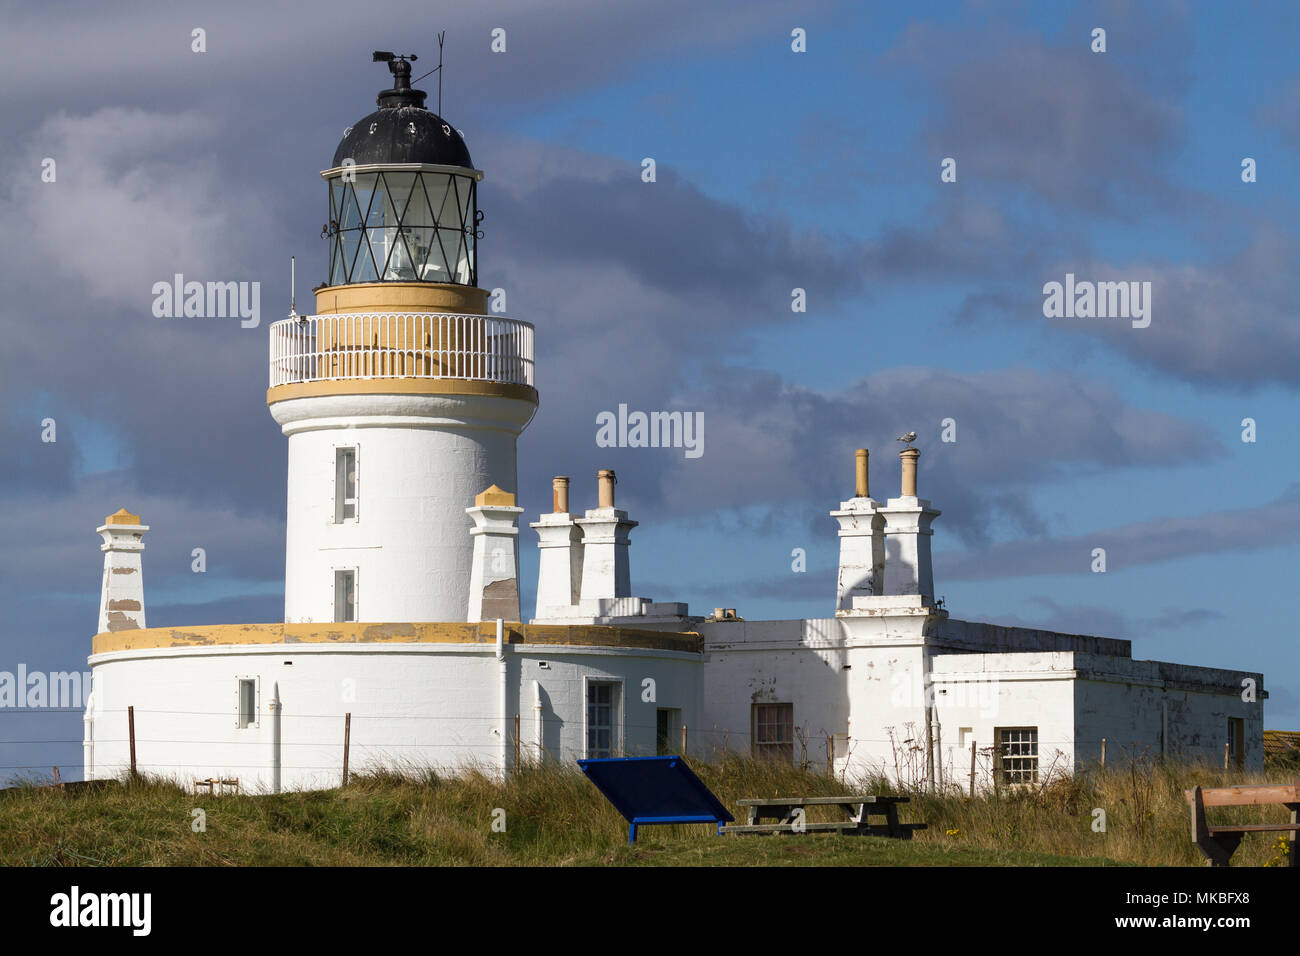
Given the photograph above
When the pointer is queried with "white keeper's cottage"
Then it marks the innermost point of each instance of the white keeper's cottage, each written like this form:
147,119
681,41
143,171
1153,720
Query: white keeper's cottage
402,399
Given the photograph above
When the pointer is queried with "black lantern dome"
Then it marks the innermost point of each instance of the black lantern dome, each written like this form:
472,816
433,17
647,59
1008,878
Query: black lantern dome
402,130
403,197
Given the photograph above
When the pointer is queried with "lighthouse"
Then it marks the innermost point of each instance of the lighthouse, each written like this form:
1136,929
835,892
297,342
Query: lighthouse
402,397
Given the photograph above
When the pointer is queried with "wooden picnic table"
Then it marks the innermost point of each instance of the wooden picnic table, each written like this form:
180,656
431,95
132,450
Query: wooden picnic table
858,809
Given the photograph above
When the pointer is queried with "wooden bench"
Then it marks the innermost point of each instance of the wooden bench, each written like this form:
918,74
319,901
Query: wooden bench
858,810
1220,842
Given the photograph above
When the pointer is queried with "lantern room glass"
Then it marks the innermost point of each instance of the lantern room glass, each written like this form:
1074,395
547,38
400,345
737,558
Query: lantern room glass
403,226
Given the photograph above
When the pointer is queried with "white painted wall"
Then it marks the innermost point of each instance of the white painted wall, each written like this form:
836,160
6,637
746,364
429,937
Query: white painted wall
866,675
751,662
415,705
421,459
975,694
1121,700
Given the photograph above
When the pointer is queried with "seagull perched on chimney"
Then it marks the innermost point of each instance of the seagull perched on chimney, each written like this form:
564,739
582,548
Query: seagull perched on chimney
908,438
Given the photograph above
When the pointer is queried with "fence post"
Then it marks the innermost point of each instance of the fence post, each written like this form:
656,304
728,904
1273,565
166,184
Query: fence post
130,727
1227,749
830,755
516,743
929,753
683,739
972,769
347,744
1103,753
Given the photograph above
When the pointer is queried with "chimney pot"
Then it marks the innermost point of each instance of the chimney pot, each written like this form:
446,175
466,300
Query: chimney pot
560,494
605,482
862,489
909,457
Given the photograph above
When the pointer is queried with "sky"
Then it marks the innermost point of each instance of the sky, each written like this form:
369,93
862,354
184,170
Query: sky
776,169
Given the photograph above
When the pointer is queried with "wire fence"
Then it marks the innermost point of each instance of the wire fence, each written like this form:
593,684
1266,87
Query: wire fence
905,755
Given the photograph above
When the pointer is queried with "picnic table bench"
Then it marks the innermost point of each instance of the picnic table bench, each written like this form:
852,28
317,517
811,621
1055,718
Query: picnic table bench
216,785
858,810
1218,843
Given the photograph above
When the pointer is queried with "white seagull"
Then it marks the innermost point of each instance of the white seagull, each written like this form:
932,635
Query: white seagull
908,438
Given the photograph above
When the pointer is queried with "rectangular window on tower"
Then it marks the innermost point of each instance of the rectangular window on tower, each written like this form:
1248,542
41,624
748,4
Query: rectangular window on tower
345,595
345,484
247,702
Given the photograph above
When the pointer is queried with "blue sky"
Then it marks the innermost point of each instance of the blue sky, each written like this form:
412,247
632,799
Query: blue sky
776,170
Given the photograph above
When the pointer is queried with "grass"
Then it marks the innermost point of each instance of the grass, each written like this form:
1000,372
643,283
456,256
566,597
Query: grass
555,817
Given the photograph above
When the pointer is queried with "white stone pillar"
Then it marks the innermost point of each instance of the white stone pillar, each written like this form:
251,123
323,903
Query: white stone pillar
605,529
908,567
121,598
862,543
559,565
494,571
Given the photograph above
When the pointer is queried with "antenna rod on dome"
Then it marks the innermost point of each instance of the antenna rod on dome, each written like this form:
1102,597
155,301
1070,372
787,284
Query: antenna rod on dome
293,297
442,36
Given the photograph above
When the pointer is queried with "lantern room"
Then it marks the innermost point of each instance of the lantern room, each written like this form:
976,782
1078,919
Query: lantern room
403,201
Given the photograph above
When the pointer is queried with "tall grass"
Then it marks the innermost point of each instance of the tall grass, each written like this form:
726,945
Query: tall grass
554,816
1141,804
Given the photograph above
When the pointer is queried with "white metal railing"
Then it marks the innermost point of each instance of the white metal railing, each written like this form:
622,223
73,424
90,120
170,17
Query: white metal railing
313,348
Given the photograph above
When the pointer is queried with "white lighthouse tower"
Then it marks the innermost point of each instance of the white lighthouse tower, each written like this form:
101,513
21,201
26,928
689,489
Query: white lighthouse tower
402,398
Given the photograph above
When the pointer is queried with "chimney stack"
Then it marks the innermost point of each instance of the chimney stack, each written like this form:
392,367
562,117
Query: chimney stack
862,541
559,556
605,529
908,567
494,573
121,597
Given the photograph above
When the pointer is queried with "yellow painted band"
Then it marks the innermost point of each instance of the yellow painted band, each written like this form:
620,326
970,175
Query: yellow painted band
401,297
400,386
226,635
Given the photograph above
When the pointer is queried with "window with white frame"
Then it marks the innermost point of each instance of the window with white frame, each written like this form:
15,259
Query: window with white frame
773,731
1018,755
345,484
602,718
247,702
345,595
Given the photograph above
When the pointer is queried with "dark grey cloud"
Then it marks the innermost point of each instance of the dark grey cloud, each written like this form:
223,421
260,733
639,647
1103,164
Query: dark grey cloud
314,56
1232,322
223,611
1046,115
60,554
768,441
1107,621
1275,524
